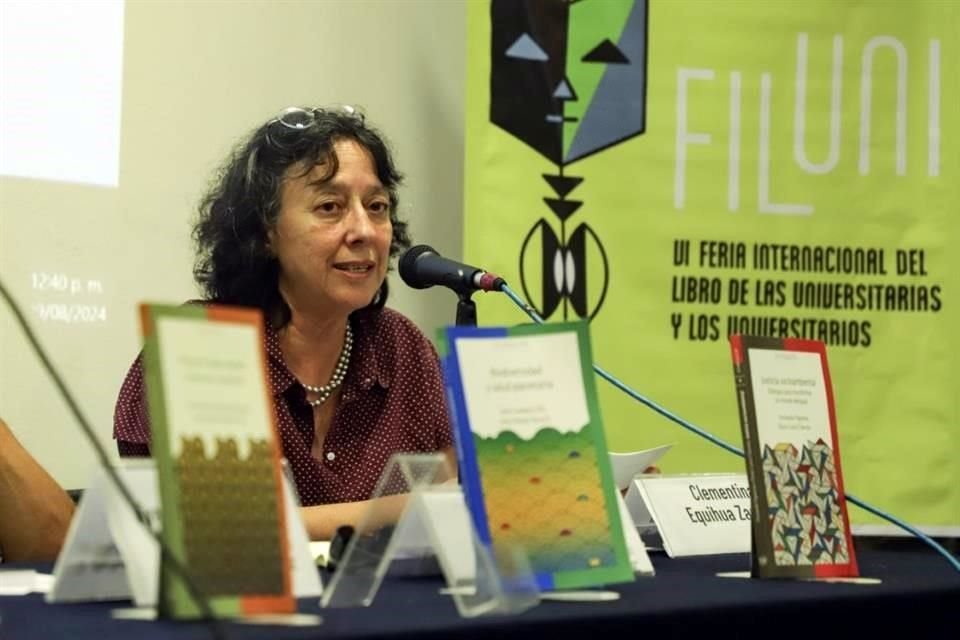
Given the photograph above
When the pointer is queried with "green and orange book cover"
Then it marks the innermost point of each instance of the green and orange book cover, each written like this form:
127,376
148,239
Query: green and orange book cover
215,443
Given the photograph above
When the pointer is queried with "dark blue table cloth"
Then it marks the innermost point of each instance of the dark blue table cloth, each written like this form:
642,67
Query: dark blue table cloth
919,594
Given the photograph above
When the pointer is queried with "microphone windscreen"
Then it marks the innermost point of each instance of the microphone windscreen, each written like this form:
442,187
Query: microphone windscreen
407,266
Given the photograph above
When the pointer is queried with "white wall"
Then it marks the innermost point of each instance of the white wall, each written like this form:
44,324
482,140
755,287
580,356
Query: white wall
197,75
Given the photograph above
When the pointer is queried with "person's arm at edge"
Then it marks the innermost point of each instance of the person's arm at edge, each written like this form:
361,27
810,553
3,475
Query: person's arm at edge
322,520
35,511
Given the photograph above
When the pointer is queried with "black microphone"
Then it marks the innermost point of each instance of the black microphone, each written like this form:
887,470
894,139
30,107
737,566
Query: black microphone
422,267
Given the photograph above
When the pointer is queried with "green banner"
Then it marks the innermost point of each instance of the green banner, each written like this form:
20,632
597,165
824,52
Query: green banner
680,171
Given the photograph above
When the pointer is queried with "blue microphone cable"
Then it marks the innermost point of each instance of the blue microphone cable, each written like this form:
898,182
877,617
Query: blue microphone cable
666,413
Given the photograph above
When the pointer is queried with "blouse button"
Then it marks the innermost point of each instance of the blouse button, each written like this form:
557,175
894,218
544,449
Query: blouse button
331,455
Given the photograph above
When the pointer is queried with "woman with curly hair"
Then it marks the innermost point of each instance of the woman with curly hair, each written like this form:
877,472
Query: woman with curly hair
301,223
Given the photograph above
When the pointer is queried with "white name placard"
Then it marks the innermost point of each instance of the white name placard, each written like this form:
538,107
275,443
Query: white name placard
695,514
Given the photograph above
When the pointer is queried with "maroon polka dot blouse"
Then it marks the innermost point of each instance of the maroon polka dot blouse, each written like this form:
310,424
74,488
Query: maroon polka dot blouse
392,401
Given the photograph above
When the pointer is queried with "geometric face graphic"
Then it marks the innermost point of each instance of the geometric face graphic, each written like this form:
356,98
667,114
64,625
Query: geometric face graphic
569,78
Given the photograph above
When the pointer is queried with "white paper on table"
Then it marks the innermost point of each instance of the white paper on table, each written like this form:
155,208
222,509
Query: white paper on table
631,463
320,549
636,551
20,582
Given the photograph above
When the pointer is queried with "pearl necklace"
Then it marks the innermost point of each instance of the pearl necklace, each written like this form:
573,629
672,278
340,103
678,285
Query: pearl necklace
339,373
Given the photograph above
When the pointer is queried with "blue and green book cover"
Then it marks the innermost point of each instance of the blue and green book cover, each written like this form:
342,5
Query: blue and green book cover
533,457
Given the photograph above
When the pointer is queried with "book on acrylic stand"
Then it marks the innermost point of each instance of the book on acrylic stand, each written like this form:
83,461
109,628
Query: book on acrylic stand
534,464
800,527
214,439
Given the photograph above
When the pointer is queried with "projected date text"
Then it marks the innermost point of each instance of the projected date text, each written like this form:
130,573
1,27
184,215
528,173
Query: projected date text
70,313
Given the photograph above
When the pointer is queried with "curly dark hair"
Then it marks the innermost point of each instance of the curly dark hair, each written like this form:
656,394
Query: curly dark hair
234,264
